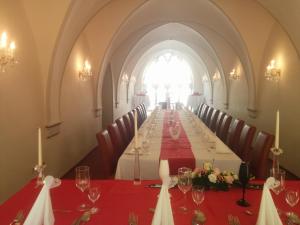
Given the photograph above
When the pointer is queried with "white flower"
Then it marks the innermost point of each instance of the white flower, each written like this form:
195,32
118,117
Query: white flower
235,177
207,166
212,178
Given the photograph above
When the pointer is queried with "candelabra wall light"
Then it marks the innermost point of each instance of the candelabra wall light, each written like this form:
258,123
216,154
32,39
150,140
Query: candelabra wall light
125,78
7,53
234,75
216,76
86,72
204,79
273,72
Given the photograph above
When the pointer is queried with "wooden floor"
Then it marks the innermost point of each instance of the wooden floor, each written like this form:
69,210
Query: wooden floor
93,158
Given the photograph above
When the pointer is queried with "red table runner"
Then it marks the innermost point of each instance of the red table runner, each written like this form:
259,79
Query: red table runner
177,152
119,198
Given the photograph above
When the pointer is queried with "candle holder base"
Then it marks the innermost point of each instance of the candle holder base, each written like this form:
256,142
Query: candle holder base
39,169
243,203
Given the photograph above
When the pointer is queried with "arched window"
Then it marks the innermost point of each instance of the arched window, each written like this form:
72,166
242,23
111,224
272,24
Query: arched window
168,76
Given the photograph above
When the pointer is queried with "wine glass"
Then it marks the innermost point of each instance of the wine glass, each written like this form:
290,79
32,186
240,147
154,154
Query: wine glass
292,196
184,182
243,178
198,194
82,182
94,195
279,184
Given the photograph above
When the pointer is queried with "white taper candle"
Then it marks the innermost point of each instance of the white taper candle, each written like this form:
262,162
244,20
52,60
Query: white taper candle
277,130
136,141
40,153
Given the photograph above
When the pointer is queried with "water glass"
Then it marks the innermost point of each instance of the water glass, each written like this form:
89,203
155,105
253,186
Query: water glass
279,184
82,180
184,182
292,196
94,195
198,194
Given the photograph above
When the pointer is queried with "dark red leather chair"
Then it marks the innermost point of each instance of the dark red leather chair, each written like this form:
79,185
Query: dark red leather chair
123,131
144,111
208,116
108,160
219,121
128,126
223,130
204,112
116,139
213,121
131,117
140,116
245,142
260,153
234,133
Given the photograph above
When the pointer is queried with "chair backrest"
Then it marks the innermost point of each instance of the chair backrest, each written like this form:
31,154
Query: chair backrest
234,133
108,157
144,111
116,139
195,111
245,142
128,126
208,116
140,116
261,149
223,131
213,121
199,109
123,130
219,121
131,117
204,112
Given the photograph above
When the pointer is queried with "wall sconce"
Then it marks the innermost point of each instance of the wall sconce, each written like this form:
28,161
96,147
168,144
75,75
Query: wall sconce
233,75
216,76
272,72
7,53
204,79
125,78
86,72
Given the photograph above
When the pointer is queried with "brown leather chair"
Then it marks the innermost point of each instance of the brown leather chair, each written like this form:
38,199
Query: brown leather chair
116,139
123,131
140,116
208,116
259,160
223,130
108,160
245,142
131,117
219,121
213,121
234,133
128,125
204,112
200,109
144,111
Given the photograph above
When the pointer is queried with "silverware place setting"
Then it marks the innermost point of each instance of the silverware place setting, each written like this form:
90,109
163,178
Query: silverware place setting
132,219
85,217
233,220
18,219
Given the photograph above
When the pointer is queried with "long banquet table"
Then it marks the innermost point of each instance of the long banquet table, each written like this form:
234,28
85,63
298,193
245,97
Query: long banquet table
194,131
119,198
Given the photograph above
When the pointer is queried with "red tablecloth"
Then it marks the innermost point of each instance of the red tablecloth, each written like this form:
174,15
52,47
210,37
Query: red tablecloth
178,152
118,198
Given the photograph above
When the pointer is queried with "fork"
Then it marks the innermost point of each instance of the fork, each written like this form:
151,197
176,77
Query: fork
18,219
132,219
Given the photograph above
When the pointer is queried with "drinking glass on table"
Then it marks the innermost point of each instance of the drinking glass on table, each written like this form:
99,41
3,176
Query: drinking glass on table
82,180
292,196
279,184
198,194
184,182
94,195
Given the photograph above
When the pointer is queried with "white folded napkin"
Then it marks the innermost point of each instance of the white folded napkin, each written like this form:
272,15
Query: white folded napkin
41,212
163,214
268,214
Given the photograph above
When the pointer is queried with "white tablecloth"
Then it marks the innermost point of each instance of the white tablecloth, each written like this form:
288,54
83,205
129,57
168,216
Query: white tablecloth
199,136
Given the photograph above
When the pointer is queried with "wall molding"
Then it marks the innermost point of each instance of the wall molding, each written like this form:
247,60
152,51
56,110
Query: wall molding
252,113
98,112
52,129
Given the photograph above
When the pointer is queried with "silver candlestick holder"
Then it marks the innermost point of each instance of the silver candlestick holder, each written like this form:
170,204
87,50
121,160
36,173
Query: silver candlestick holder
137,169
39,169
276,153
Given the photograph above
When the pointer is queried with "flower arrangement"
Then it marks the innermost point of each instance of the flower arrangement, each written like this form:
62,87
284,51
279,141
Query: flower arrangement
213,178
